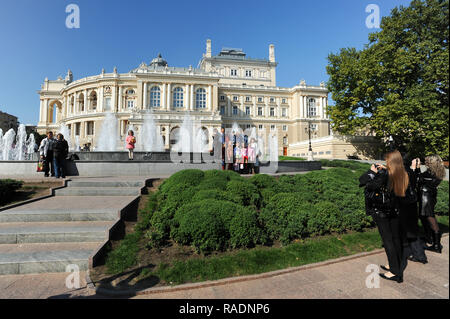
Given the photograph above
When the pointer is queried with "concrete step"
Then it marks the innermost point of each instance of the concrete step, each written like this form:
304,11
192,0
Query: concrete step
58,215
40,258
51,232
100,191
97,183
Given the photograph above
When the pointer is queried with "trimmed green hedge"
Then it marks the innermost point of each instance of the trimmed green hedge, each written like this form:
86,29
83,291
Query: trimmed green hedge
442,199
7,189
218,210
354,165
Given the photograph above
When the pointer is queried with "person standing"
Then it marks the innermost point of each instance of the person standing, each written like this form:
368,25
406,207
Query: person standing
409,218
222,143
46,152
131,142
386,190
60,152
428,183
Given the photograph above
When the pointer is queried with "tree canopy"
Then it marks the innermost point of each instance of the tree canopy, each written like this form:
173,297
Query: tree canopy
397,85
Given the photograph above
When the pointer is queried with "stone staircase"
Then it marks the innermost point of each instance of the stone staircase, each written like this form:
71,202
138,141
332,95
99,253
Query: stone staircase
71,227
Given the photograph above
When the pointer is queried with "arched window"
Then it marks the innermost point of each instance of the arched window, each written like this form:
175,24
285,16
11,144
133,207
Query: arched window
312,108
178,97
200,98
72,103
155,97
93,101
81,102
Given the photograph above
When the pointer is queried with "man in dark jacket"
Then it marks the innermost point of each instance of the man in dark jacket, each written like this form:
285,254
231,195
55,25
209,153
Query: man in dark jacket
61,149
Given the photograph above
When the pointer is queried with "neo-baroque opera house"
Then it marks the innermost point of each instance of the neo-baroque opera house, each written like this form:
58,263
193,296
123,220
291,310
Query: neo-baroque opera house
226,88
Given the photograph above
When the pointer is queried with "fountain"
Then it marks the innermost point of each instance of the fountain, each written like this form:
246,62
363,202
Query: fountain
17,147
149,138
64,130
201,141
183,136
31,146
109,134
8,145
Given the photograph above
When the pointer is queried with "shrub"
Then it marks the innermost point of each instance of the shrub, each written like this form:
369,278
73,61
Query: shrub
325,218
215,194
442,199
279,214
243,192
357,221
7,189
216,182
214,225
296,226
200,224
244,229
191,177
354,165
263,181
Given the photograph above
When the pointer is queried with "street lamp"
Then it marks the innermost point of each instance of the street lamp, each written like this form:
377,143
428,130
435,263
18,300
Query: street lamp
308,129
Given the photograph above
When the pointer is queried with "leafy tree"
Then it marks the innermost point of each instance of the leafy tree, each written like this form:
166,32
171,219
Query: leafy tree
398,85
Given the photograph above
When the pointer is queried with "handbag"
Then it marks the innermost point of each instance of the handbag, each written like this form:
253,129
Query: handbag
40,166
380,199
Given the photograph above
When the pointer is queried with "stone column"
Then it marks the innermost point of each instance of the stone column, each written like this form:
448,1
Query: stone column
46,111
191,97
215,98
169,93
85,101
209,97
120,99
100,99
41,111
305,106
145,95
186,97
75,102
229,110
302,113
113,99
163,97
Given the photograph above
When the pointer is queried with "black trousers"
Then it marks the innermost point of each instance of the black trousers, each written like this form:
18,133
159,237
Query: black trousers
48,163
390,232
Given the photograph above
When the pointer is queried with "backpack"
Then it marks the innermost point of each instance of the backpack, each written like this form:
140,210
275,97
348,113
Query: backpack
381,199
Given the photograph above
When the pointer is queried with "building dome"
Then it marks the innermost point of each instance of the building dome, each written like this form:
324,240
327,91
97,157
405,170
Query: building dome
158,61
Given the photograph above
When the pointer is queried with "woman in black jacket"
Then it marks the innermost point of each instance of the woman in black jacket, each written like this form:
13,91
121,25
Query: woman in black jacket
385,192
60,152
428,183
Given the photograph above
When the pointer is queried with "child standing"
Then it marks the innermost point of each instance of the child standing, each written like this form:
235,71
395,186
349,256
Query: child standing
131,141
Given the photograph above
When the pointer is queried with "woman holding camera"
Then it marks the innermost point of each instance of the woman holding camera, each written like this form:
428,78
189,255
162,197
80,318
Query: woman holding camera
428,183
386,191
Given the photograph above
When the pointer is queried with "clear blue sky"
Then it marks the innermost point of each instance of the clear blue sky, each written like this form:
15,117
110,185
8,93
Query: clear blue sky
35,43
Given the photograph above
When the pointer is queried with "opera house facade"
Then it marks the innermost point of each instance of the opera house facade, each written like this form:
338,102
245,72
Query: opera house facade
225,89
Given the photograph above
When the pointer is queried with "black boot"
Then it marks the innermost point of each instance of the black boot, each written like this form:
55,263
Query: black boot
428,239
436,246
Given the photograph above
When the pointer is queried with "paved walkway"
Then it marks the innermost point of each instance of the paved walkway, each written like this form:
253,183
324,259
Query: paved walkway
345,279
